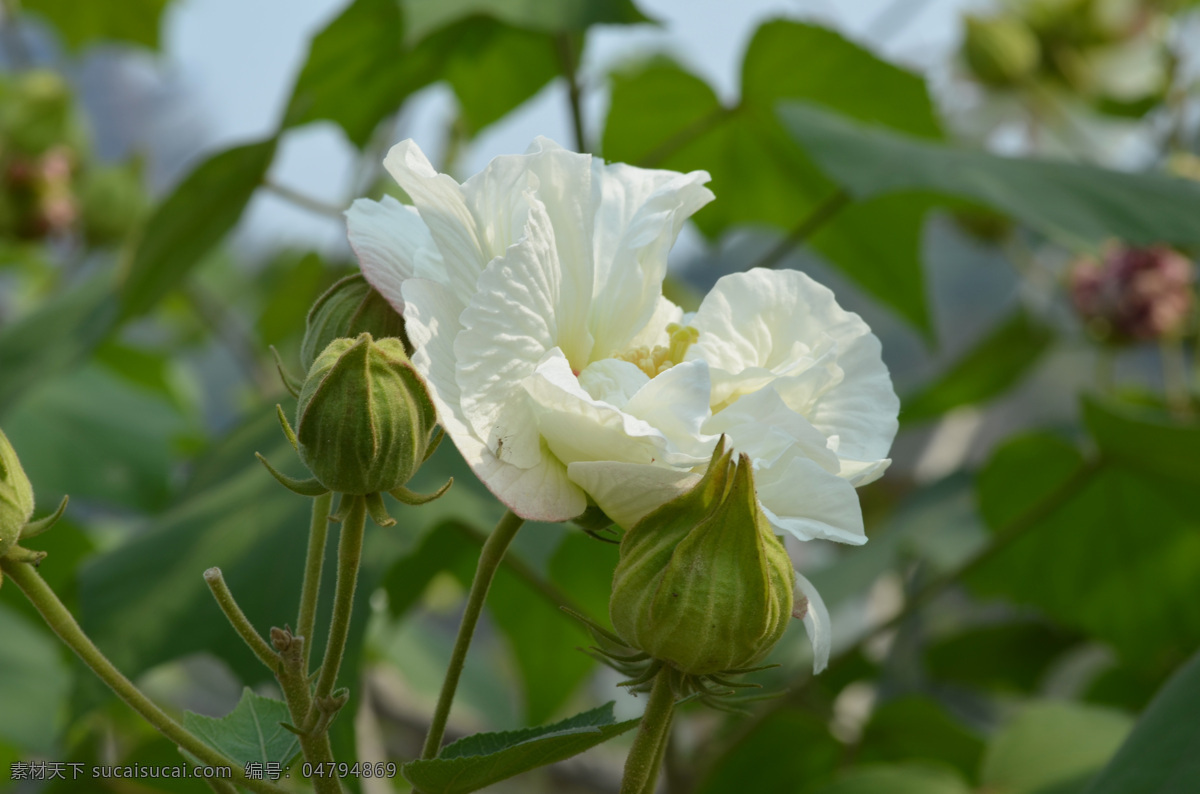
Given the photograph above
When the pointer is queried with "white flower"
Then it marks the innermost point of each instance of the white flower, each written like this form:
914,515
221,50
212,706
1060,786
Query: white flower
533,295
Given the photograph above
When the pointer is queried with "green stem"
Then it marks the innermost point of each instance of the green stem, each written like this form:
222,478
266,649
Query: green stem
645,757
350,545
490,558
569,63
318,532
239,621
313,205
806,227
293,680
63,624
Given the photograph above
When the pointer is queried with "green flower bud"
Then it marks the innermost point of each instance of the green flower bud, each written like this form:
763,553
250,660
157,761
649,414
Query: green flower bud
1000,51
702,583
347,309
113,201
364,420
16,496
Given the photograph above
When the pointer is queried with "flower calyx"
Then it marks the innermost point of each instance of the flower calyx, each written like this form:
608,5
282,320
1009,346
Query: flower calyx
16,509
364,425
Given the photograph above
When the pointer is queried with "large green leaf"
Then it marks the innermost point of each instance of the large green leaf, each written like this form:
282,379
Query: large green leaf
1162,755
1115,553
918,729
201,210
1052,748
34,685
79,24
1149,441
486,758
895,779
663,116
253,731
790,752
426,16
986,371
1077,205
1007,656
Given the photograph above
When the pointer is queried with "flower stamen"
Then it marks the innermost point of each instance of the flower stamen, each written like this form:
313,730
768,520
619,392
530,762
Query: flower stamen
656,361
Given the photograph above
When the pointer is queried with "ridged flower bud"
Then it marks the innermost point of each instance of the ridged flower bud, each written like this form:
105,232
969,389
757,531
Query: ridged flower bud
1000,51
364,421
702,583
348,308
16,496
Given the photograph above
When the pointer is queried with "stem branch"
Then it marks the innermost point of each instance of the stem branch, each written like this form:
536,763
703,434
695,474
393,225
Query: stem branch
570,65
239,621
808,225
490,558
646,755
304,201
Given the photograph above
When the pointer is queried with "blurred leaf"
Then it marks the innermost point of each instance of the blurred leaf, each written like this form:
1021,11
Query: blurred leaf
790,752
53,338
1009,657
1162,755
80,24
1076,205
443,548
425,16
147,369
583,567
1149,441
251,732
92,436
291,286
898,780
1052,748
494,68
201,210
486,758
33,713
986,371
1118,559
916,728
665,117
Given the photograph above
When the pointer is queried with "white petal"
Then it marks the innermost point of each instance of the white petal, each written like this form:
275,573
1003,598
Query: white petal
765,428
386,237
863,472
800,497
612,380
862,410
816,622
578,427
440,201
639,213
654,332
676,403
509,325
626,492
539,493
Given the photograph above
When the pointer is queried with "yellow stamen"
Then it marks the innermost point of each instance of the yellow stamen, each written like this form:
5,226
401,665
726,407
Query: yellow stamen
660,359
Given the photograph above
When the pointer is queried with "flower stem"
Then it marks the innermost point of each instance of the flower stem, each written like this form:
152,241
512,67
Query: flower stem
238,619
490,558
350,545
293,680
317,533
646,756
63,624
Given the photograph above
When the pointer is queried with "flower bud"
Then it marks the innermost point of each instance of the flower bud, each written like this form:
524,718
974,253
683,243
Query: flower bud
16,496
364,419
347,309
1000,51
1133,294
702,583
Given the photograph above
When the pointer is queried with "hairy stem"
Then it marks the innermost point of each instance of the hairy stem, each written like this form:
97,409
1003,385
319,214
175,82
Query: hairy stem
318,532
350,545
293,680
490,558
63,624
646,755
239,621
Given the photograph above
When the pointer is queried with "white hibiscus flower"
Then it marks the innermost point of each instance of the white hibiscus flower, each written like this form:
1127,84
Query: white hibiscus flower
532,293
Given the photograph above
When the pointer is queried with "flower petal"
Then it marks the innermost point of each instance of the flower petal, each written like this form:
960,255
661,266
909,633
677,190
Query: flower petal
386,237
541,492
816,622
800,497
612,380
765,428
676,403
626,492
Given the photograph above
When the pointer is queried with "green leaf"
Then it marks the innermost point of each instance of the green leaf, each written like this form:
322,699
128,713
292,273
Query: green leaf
1162,755
1009,657
80,24
251,732
1052,748
916,728
486,758
1077,205
664,117
54,338
494,68
1118,559
1149,441
33,713
898,780
583,567
990,368
790,752
425,16
201,210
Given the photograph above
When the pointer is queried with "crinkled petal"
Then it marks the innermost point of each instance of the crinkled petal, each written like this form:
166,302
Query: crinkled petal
800,497
578,427
638,215
541,492
654,332
627,492
386,237
765,428
444,210
612,380
676,403
816,622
